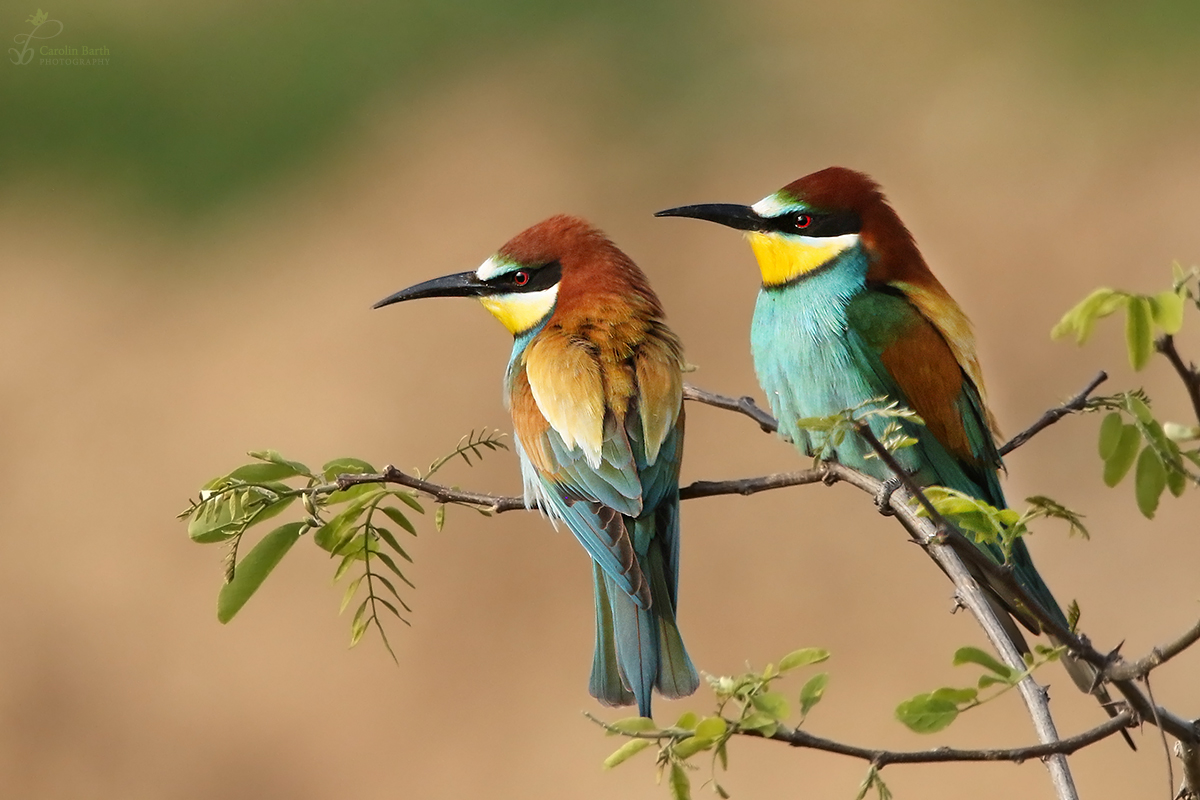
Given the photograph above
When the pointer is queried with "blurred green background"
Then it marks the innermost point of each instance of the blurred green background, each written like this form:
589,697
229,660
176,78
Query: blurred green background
193,234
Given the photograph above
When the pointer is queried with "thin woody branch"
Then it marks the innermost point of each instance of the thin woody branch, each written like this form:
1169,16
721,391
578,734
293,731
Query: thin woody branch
746,405
1079,646
749,486
1156,657
498,504
742,405
1187,372
1076,403
797,737
881,758
442,494
932,533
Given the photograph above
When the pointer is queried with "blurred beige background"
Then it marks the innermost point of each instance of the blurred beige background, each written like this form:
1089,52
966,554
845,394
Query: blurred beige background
192,237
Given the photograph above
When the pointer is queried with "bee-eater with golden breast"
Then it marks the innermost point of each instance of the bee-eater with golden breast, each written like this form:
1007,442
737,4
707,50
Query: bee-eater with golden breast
595,388
848,312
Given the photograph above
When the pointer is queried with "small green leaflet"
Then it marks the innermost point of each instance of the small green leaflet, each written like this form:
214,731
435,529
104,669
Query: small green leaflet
1139,335
927,713
1149,481
254,569
812,692
626,752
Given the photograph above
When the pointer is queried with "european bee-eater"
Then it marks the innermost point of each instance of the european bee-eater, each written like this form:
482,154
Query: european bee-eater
848,312
595,388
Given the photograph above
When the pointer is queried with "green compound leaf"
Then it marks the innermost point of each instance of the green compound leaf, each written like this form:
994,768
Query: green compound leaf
957,696
692,745
352,466
1167,310
681,786
802,658
1139,335
1110,435
409,500
1122,458
274,457
1138,407
387,536
760,721
334,534
263,472
631,725
812,692
1082,318
213,521
1149,481
1176,481
395,515
254,569
711,727
1042,506
351,589
1073,615
927,713
973,655
986,522
773,704
626,752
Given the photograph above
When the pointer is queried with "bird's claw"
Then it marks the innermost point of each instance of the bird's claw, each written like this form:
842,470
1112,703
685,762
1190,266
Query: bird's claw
883,499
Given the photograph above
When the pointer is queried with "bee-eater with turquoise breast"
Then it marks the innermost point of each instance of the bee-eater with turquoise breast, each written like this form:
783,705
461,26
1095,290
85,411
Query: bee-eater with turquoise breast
595,388
848,312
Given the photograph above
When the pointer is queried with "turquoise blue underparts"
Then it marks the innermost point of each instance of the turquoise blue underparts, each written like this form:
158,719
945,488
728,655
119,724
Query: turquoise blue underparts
817,345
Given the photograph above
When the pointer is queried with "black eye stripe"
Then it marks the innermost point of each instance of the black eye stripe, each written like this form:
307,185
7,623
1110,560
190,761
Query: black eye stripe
535,278
819,223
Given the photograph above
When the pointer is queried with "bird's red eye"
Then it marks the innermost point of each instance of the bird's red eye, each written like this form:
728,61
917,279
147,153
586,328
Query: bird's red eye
803,221
521,278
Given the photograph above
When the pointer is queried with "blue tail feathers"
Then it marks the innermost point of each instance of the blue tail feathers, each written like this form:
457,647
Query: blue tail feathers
640,649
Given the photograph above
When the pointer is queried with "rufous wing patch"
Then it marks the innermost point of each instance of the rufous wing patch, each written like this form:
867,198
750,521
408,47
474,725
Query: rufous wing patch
564,378
940,309
926,371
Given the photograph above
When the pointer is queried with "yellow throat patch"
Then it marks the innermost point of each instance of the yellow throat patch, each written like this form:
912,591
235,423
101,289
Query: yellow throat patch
520,311
785,258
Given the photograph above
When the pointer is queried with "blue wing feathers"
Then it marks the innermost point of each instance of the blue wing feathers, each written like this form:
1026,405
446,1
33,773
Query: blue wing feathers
625,513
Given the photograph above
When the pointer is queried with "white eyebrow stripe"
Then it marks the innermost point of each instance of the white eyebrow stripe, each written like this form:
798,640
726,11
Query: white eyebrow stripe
491,268
772,206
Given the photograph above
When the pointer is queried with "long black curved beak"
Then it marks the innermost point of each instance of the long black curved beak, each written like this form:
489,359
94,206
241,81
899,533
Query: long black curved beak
461,284
744,218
